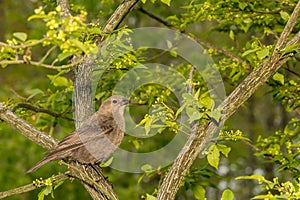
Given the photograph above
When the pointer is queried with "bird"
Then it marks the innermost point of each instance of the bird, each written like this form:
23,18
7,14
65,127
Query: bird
96,139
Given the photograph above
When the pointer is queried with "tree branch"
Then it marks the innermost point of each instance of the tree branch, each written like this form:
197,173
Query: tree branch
83,97
65,7
196,141
83,101
40,109
26,129
198,40
30,187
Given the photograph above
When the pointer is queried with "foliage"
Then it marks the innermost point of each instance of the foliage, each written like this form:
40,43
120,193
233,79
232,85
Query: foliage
239,35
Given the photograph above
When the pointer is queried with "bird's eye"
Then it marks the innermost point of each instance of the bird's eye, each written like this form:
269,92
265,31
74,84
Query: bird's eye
115,101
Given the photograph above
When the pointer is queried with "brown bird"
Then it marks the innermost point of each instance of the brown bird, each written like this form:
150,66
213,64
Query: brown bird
96,139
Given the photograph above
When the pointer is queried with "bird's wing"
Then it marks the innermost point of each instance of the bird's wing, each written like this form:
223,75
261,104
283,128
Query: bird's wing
79,139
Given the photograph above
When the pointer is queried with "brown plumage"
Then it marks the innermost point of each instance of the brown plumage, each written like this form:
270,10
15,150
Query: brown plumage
96,139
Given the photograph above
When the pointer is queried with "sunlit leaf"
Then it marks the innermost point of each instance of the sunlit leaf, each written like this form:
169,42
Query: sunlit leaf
284,15
168,2
224,149
146,168
20,36
213,156
227,195
231,34
107,163
278,77
198,191
150,197
262,53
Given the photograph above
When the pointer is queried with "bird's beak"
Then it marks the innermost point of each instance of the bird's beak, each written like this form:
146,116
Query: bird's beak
125,102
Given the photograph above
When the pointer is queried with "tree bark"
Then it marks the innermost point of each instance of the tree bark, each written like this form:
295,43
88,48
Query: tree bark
91,176
83,102
195,143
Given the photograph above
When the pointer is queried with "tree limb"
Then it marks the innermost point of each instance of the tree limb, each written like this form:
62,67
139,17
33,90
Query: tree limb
65,7
83,97
26,129
83,101
193,146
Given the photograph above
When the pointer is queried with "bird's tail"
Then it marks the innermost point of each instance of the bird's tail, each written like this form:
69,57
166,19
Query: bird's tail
41,163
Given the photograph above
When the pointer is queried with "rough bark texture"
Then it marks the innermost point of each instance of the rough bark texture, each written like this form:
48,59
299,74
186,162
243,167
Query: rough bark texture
91,176
26,129
83,99
173,179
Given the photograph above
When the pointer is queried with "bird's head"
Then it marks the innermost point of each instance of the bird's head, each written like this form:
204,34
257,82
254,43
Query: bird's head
114,105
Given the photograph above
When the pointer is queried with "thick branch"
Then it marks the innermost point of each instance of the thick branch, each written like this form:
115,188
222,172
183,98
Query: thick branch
196,141
118,16
26,129
83,98
65,7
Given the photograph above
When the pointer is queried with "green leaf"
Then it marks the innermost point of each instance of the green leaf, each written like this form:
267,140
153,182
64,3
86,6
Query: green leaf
206,101
59,81
20,36
180,110
249,52
144,1
41,195
64,55
242,5
227,195
147,168
148,123
150,197
34,92
166,2
59,184
284,15
136,144
224,149
107,163
257,177
213,156
47,190
290,48
198,191
216,114
79,44
193,114
231,34
278,77
188,96
262,53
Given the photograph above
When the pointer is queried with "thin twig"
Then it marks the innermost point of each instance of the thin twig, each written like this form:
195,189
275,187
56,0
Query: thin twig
47,54
40,64
40,109
31,186
200,41
23,46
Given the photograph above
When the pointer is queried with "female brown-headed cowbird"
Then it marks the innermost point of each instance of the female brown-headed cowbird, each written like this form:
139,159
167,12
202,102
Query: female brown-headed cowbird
96,139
